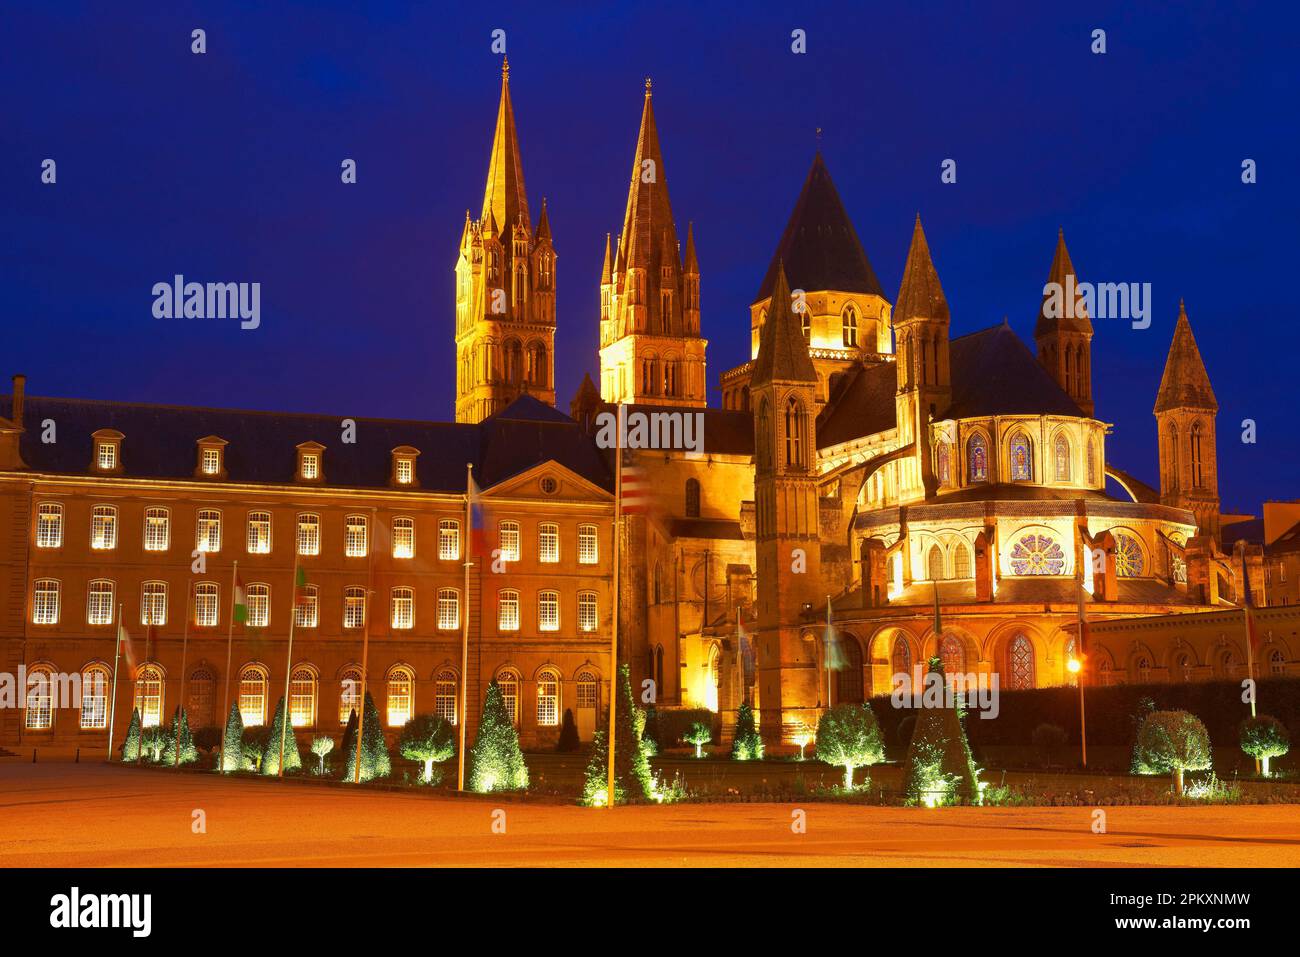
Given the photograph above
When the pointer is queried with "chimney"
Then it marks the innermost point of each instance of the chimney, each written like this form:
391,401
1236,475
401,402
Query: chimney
20,388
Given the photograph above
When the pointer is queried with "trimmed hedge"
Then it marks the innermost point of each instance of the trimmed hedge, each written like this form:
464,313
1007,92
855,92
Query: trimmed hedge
671,724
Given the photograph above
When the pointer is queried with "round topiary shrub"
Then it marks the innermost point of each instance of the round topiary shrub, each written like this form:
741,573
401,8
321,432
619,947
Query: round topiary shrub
849,736
1263,737
1171,742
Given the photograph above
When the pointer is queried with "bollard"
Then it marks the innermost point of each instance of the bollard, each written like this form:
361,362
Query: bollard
33,755
77,759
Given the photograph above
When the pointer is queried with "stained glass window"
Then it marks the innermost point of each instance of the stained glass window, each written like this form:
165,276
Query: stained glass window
1022,465
952,655
1092,463
1128,557
1020,662
1062,451
961,562
935,563
1037,555
977,459
901,657
942,466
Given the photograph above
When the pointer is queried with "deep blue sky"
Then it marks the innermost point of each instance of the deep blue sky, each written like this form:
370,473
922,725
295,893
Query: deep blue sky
226,167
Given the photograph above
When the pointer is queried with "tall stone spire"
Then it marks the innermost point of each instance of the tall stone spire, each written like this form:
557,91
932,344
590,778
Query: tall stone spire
782,350
1063,333
649,212
505,197
920,295
1185,383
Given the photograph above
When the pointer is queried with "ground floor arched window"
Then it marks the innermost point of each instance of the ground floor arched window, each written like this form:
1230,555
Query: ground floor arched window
149,696
252,696
1020,663
848,680
40,699
94,698
952,655
302,697
444,696
200,702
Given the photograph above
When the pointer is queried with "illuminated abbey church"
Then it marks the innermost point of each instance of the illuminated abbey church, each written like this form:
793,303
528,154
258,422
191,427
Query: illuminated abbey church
865,460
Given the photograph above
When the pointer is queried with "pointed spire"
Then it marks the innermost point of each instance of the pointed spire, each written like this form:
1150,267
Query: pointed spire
782,349
648,208
505,196
920,295
691,265
544,224
1062,268
467,231
1185,383
606,274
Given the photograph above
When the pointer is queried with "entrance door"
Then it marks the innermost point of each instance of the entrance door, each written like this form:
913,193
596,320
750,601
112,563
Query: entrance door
587,700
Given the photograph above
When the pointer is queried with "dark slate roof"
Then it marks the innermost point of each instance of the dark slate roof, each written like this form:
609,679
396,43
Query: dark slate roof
861,403
820,247
1141,490
726,431
161,443
1251,530
1022,493
1288,541
994,373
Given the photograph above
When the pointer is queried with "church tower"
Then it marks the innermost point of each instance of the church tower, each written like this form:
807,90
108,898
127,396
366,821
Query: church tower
924,377
650,346
505,288
788,547
1065,341
1185,412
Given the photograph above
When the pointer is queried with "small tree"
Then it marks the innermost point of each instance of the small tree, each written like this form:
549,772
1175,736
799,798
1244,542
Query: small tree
232,743
699,735
848,735
153,740
1263,738
207,739
746,744
179,732
375,762
938,765
271,756
632,776
253,747
131,744
568,734
427,738
1171,742
349,744
496,763
321,746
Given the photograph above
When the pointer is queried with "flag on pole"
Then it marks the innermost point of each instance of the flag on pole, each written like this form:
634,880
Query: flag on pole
633,485
299,586
1252,632
1081,645
124,643
478,533
835,659
746,648
241,602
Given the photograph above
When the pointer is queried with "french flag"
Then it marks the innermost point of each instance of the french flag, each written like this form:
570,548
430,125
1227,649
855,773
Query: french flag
478,532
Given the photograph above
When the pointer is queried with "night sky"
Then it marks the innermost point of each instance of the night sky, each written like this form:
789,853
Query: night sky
225,167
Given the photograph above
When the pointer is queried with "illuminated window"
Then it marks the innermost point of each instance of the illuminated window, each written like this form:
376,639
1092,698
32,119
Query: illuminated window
934,563
306,608
448,609
404,470
1061,452
586,691
40,699
49,525
149,696
588,545
157,529
449,539
548,611
309,466
1037,555
211,462
206,605
252,696
1128,557
977,459
1020,662
508,610
952,655
401,697
548,542
587,616
302,698
403,537
106,456
942,462
99,603
794,428
354,607
259,533
355,536
444,696
153,603
403,608
258,598
1022,460
349,694
308,534
45,602
94,698
508,682
849,324
508,533
208,532
548,699
961,562
900,659
103,528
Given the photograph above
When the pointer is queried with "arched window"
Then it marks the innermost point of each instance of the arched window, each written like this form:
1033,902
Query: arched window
349,694
934,563
445,699
793,433
513,361
94,698
302,697
715,679
692,498
1020,663
40,699
1142,666
1182,667
1227,663
942,462
1128,557
952,655
659,667
764,435
977,459
1197,476
149,696
1022,460
961,561
548,699
587,692
900,658
848,680
1276,662
1092,462
201,703
252,696
849,323
1061,448
401,696
508,682
537,370
1171,457
805,322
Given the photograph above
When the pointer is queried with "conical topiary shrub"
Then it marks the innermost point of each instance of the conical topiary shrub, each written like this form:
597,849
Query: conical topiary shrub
568,733
271,756
375,762
939,768
349,742
131,744
746,743
179,733
632,778
496,763
232,741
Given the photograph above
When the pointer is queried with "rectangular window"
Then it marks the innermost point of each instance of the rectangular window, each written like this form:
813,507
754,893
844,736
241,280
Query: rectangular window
94,700
208,531
211,461
107,456
310,467
588,549
308,534
403,537
509,541
302,699
404,471
404,608
259,533
153,603
45,602
448,539
508,611
355,539
103,528
259,605
354,607
587,617
206,604
448,609
548,542
306,609
399,699
548,611
49,525
157,529
99,603
444,698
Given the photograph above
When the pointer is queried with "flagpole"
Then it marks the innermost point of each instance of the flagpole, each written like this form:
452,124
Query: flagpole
1083,658
365,656
826,653
288,665
230,641
613,642
117,654
180,701
464,637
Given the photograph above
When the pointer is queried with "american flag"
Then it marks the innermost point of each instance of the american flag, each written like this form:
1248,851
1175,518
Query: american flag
633,485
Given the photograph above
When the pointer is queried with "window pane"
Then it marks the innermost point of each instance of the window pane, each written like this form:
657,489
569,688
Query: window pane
588,549
548,543
403,538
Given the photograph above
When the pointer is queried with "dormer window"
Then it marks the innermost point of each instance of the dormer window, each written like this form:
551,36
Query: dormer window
309,462
404,466
212,457
108,450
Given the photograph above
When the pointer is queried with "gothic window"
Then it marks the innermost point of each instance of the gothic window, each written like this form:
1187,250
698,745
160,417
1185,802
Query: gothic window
648,377
1128,556
1022,463
848,680
1092,462
934,563
849,323
513,357
942,458
537,371
1020,662
1037,555
793,434
1276,662
952,655
764,435
961,562
1171,458
692,498
805,322
1198,479
977,459
1062,455
670,377
900,657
